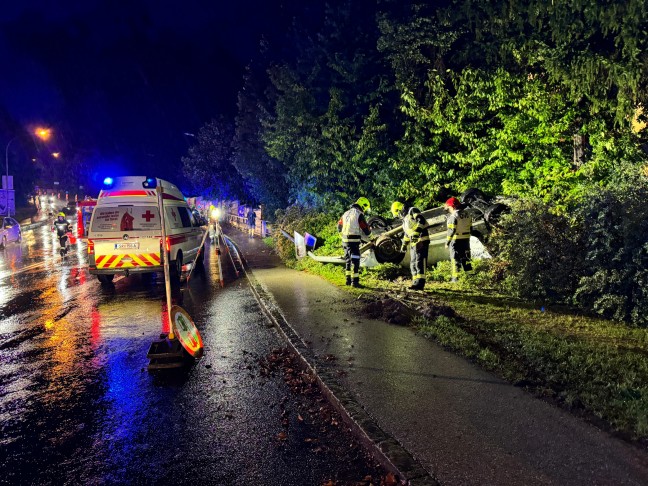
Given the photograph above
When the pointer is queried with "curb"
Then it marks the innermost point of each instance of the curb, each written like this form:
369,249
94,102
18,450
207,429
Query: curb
383,447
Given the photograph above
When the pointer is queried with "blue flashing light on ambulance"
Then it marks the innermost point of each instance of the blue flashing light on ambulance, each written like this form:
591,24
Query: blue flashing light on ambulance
125,234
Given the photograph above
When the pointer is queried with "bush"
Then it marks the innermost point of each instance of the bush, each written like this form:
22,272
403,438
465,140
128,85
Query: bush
540,252
595,257
615,241
304,219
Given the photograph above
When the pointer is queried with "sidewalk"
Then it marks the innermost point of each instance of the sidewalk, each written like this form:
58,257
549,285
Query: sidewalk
409,396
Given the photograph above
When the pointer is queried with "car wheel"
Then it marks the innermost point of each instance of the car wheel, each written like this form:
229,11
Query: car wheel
472,195
495,211
105,279
387,250
3,243
377,223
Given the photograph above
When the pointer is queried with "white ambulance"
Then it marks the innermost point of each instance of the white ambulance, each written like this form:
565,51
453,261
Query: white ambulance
125,233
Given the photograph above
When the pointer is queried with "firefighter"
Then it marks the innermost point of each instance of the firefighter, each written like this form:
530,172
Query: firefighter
353,225
398,210
459,222
416,234
62,228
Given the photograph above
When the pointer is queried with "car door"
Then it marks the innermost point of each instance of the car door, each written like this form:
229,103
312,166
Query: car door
11,227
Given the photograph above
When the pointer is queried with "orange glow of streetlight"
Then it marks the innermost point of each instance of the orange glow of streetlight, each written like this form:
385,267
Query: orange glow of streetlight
43,133
56,155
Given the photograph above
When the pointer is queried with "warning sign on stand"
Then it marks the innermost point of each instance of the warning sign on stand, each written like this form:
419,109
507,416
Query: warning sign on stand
186,332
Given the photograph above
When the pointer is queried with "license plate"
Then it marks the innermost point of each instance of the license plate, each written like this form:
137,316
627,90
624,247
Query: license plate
126,246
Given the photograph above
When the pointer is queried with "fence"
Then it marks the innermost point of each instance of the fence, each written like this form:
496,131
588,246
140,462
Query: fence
261,228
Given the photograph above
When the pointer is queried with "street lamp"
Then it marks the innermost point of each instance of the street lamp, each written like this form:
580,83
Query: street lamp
43,133
7,171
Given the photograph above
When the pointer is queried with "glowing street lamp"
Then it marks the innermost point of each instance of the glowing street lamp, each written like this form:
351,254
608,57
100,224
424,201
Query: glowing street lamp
43,133
56,155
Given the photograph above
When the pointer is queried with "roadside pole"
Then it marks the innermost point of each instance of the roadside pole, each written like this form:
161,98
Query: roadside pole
167,278
202,248
220,266
169,351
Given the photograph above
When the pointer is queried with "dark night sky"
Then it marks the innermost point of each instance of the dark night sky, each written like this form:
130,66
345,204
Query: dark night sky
124,79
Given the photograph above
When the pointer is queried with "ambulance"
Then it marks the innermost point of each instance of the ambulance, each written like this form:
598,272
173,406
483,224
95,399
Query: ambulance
125,234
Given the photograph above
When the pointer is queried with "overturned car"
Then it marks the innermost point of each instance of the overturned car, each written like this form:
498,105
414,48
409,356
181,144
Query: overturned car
386,235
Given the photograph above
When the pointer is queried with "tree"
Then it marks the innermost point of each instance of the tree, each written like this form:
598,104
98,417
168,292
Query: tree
209,166
493,100
264,176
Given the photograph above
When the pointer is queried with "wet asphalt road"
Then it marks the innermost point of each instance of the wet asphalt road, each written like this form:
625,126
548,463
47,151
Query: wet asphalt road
78,406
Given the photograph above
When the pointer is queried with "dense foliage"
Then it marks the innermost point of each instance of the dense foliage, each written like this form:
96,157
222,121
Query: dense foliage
209,165
614,282
595,257
537,100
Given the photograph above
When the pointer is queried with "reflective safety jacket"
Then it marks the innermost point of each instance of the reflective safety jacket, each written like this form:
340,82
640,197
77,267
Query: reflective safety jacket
62,227
352,225
415,228
459,223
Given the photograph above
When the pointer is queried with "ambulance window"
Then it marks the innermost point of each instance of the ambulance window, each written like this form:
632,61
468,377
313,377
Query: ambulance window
126,218
185,217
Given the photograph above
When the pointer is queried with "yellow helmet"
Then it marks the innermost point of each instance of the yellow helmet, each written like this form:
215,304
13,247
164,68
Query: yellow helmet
363,202
396,208
61,214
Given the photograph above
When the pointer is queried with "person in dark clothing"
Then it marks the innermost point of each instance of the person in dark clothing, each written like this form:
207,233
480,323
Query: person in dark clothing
352,225
459,223
251,222
415,229
62,228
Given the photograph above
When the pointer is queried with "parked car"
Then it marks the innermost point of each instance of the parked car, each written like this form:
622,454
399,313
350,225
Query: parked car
10,231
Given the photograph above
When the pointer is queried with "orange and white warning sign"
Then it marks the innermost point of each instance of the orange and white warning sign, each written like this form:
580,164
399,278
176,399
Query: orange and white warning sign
186,332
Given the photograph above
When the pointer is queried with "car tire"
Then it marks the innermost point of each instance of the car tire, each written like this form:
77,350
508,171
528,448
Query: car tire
471,195
495,211
176,267
3,243
387,250
377,223
105,279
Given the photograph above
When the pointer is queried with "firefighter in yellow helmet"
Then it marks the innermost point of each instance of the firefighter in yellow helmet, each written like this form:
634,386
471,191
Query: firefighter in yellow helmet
458,223
397,209
352,225
415,229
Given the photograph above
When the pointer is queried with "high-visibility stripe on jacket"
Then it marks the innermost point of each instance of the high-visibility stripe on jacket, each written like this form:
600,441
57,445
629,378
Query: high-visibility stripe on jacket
415,229
352,225
459,223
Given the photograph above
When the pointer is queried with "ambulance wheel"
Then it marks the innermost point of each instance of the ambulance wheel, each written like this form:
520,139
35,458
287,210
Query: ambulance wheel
105,279
176,267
